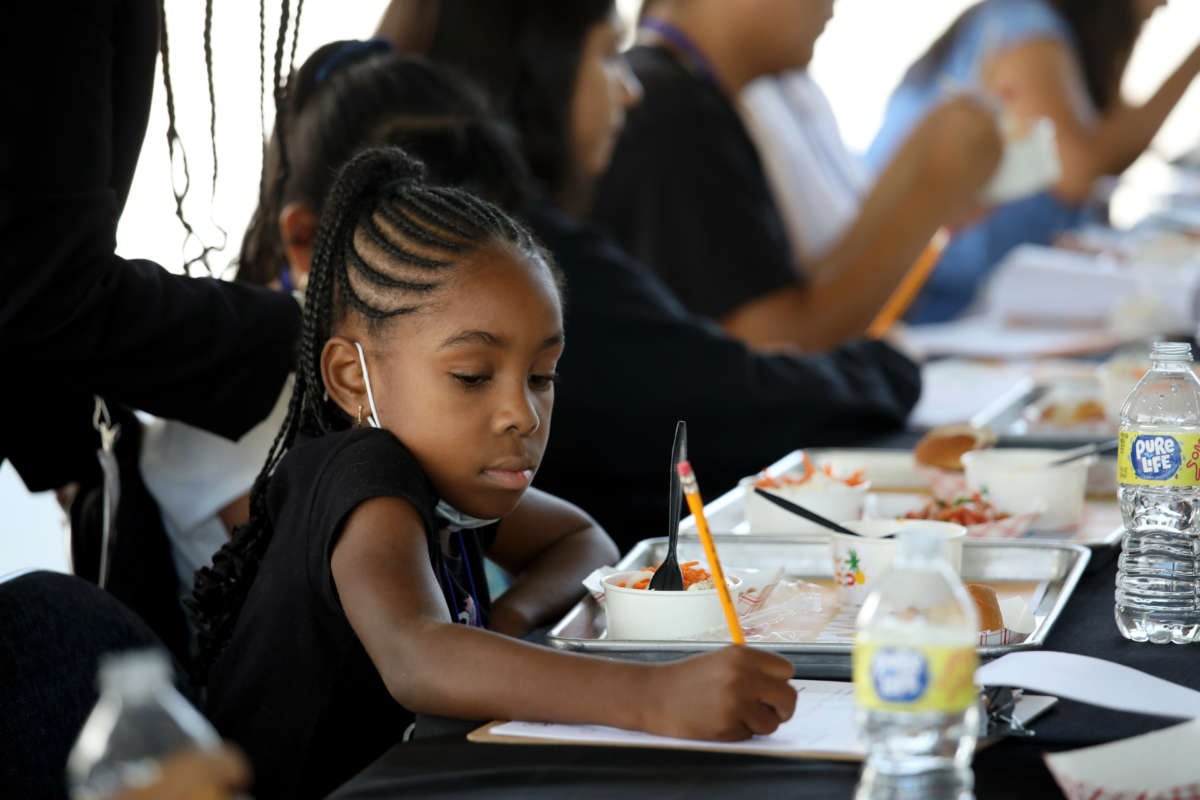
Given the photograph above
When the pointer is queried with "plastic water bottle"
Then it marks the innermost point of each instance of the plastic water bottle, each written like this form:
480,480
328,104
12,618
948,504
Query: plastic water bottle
1158,477
139,719
914,677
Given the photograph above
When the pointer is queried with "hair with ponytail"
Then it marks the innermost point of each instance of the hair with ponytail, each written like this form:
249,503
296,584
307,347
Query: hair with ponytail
387,243
352,94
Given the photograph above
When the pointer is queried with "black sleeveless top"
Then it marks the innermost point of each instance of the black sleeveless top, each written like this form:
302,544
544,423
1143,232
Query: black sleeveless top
295,688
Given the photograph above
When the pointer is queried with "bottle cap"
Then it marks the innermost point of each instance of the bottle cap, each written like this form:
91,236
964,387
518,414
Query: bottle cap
1171,351
135,672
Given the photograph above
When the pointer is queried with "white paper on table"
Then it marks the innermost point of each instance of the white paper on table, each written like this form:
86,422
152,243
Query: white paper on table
1093,681
957,390
1052,283
984,336
823,725
1159,764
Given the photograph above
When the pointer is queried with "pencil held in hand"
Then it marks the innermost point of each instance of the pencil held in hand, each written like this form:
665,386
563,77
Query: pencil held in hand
897,305
691,490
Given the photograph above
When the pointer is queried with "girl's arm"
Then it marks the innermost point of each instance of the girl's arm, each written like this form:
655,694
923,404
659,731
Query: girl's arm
1042,78
550,546
430,665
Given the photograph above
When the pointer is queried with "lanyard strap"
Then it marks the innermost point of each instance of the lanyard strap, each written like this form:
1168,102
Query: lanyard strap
694,58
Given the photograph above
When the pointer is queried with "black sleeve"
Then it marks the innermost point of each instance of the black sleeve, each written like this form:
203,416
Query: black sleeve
362,465
203,351
636,362
685,194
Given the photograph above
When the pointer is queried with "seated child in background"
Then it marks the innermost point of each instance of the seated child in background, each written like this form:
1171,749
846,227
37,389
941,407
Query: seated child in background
352,599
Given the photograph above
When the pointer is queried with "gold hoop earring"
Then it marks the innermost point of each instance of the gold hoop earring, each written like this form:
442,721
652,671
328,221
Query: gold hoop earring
360,419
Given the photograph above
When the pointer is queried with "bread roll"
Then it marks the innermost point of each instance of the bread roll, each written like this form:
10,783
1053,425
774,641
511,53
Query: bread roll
987,605
943,447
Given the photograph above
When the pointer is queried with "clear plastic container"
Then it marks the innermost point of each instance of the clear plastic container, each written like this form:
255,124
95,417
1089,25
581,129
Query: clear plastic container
914,677
139,718
1158,479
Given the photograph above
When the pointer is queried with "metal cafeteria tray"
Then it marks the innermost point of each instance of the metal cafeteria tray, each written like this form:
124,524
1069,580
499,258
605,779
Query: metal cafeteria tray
1055,568
1010,415
894,473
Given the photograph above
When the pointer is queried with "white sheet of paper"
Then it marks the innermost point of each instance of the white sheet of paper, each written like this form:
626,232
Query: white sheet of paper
824,724
989,337
956,390
1158,764
1093,681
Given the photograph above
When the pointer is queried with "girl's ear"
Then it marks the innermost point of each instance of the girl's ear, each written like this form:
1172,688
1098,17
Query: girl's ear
297,229
342,372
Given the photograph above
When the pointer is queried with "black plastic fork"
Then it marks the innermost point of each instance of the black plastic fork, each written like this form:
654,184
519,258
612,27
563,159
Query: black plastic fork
669,577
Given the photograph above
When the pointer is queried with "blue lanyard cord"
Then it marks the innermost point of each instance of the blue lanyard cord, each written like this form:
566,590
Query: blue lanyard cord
476,620
696,59
462,549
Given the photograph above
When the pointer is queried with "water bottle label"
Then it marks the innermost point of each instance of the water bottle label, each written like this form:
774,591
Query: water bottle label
888,678
1158,459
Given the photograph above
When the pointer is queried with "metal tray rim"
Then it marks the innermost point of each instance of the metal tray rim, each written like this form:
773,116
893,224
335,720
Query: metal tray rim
680,648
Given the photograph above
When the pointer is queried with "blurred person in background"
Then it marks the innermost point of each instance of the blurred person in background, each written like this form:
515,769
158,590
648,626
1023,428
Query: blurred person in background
1063,60
687,192
638,360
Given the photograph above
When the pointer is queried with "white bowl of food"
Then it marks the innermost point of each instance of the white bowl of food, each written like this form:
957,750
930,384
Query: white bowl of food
859,561
822,491
1021,481
640,614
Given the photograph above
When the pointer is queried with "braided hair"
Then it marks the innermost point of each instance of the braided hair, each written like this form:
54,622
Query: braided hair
386,244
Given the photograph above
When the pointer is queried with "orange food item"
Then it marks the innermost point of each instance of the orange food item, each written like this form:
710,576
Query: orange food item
1084,411
972,510
990,618
765,481
691,574
943,447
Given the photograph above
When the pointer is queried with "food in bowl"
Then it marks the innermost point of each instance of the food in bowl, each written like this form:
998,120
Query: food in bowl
694,578
859,560
978,514
1068,414
1022,481
825,491
639,614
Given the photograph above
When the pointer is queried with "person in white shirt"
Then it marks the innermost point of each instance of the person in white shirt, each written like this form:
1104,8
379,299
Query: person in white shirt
836,212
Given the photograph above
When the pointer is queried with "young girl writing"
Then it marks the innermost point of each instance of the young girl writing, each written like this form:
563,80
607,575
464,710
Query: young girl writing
354,597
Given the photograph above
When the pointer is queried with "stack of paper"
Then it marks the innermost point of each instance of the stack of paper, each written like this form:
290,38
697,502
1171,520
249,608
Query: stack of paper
1053,284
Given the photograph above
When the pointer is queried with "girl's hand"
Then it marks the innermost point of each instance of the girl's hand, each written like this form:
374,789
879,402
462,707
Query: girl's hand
730,694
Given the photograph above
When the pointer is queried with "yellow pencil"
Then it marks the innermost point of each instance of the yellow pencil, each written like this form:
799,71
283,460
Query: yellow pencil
909,285
691,490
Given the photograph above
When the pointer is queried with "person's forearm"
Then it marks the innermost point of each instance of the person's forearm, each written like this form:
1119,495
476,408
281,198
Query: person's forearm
552,582
936,175
472,674
1123,133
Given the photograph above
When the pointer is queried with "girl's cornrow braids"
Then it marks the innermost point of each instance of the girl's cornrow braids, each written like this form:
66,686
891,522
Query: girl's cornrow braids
410,228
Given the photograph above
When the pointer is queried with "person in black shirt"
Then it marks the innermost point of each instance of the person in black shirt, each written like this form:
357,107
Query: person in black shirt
638,359
686,192
75,318
355,596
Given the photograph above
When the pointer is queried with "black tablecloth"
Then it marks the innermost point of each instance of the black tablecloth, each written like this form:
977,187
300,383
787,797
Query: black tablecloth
448,766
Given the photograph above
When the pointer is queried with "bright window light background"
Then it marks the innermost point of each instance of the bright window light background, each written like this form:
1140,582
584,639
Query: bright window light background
858,60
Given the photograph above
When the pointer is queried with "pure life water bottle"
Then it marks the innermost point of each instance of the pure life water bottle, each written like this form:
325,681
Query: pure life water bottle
914,677
1158,475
